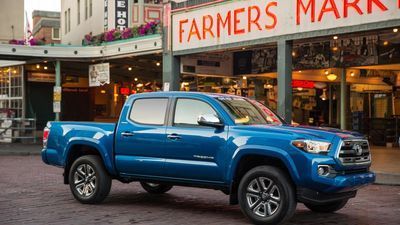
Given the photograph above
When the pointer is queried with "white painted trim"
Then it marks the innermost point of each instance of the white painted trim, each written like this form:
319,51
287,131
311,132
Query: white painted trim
145,45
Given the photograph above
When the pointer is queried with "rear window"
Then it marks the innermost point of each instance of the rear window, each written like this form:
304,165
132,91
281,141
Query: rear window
150,111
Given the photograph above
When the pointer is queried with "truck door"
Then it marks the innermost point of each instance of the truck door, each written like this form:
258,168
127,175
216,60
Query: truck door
140,138
194,152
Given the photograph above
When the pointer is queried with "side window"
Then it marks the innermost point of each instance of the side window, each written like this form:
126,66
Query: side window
187,111
150,111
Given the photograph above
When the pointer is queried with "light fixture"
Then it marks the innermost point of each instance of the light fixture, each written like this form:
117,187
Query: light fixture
326,72
243,48
45,61
37,66
14,71
293,53
352,73
103,91
158,63
335,37
45,67
299,88
139,85
136,79
130,68
395,30
335,49
244,78
269,86
385,43
300,71
324,96
331,77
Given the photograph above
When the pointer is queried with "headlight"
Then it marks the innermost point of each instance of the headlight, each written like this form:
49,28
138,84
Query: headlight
310,146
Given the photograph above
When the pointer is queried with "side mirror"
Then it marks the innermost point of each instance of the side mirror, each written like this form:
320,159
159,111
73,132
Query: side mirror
209,120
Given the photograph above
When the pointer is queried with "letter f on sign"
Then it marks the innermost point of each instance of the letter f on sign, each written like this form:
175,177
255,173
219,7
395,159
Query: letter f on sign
181,30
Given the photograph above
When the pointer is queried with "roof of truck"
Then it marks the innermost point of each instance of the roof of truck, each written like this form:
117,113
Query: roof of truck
182,93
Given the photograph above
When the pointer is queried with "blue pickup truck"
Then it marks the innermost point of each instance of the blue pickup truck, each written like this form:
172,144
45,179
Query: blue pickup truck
216,141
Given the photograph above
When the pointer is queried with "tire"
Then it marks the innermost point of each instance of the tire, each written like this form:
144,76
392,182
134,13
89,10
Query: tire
88,180
266,196
155,188
327,208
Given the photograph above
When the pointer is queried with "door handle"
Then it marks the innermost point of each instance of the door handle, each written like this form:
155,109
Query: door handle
127,134
174,137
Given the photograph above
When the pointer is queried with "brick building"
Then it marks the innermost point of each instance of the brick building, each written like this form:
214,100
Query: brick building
46,24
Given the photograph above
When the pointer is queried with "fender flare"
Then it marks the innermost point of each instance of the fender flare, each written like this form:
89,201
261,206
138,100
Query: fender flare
95,144
268,151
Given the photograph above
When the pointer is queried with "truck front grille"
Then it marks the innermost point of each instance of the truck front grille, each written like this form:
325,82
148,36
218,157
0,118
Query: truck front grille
355,152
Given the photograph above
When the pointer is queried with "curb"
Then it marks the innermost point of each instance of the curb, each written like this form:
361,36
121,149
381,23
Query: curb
387,179
17,153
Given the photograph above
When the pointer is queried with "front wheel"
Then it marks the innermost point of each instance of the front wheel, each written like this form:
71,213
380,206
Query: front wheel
88,180
327,208
155,188
266,196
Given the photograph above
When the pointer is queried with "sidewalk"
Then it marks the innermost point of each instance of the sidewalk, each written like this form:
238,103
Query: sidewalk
385,161
20,149
386,165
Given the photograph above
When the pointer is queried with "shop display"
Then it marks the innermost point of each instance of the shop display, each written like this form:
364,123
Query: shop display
311,56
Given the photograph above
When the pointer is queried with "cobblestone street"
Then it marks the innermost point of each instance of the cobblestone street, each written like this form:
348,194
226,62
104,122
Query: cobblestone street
33,193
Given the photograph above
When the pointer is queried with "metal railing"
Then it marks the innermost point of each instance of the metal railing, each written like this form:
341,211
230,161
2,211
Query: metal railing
17,130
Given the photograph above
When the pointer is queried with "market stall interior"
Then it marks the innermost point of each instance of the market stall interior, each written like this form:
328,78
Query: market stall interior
83,101
369,63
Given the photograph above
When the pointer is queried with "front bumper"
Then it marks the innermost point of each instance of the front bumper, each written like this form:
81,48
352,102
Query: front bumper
305,195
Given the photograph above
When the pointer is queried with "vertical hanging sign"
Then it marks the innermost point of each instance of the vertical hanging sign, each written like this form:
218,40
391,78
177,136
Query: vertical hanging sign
121,14
105,15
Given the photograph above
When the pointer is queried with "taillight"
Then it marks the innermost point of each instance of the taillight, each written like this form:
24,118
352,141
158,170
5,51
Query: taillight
46,133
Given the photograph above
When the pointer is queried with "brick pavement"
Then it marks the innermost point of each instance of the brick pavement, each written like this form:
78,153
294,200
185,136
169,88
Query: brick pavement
33,193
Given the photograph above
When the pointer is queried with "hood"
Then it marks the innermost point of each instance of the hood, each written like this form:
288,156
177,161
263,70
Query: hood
326,133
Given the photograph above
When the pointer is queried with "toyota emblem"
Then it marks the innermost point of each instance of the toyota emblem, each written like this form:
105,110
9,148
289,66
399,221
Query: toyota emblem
357,149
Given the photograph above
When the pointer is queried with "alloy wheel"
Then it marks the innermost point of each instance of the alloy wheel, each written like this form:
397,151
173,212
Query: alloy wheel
263,197
85,180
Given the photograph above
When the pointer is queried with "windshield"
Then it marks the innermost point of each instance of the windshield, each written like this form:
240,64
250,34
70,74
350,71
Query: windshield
248,112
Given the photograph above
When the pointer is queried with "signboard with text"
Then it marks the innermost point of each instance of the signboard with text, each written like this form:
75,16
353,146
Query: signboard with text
237,21
121,14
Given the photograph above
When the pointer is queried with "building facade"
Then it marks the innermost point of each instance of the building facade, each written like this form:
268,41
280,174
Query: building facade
12,20
81,17
46,26
324,63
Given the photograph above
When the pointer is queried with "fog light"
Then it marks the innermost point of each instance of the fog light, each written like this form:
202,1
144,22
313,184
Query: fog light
323,170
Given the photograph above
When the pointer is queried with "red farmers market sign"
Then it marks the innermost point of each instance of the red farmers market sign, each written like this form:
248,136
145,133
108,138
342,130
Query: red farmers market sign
236,21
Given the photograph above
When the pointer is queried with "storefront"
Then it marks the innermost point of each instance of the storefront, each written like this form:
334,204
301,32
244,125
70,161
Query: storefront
328,63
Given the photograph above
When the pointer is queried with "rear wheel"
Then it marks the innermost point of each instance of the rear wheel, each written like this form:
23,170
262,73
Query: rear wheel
155,188
88,180
266,196
327,208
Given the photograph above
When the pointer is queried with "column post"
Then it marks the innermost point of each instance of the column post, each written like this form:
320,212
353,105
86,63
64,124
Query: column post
285,79
171,64
343,98
58,84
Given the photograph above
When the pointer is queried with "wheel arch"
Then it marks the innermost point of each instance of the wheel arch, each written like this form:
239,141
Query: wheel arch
253,157
76,149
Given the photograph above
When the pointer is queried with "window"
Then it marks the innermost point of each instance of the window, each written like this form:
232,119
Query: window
150,111
86,9
90,8
69,20
247,112
55,34
65,22
187,111
79,11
